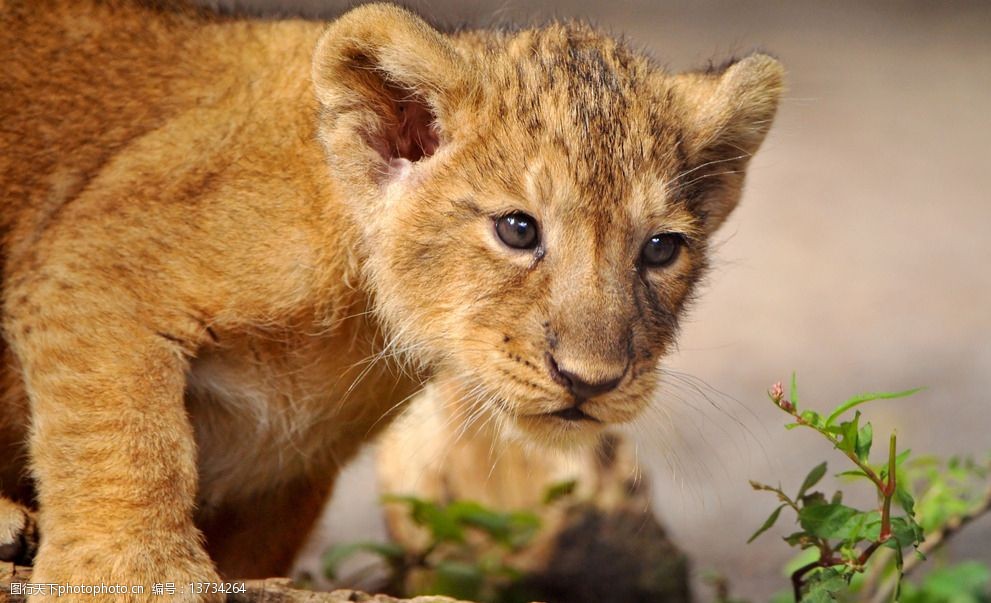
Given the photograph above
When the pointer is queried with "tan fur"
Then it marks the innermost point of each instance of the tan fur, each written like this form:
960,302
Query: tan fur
433,452
232,249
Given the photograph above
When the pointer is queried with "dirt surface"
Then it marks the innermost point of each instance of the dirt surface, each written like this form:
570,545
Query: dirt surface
859,257
13,589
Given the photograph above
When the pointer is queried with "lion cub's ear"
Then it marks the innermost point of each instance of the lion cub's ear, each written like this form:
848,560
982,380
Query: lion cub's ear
729,112
388,84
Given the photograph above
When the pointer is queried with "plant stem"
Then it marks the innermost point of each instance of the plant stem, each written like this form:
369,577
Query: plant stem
870,473
862,560
888,491
797,575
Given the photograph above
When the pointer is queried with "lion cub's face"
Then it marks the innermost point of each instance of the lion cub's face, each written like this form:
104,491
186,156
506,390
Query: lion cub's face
535,208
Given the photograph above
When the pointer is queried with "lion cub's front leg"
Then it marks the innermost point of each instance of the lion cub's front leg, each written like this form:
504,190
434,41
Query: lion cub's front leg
112,449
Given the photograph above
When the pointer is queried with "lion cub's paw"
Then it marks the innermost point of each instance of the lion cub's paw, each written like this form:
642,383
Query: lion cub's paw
18,533
137,572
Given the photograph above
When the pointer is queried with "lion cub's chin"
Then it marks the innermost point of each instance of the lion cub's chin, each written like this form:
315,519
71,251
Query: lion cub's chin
551,431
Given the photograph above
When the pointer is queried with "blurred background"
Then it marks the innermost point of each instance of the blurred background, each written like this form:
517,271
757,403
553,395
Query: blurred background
859,258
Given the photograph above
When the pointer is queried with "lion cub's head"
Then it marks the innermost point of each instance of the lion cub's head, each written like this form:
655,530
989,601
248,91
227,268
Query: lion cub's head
535,207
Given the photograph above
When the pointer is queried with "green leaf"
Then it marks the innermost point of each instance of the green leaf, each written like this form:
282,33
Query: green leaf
848,431
799,539
812,478
904,533
813,498
524,525
862,398
902,495
768,523
861,526
854,473
429,515
812,418
470,513
337,554
824,586
458,580
559,490
793,393
443,527
828,520
902,456
865,438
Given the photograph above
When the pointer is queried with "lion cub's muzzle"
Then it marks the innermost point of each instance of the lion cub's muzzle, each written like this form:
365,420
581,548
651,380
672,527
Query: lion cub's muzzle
581,387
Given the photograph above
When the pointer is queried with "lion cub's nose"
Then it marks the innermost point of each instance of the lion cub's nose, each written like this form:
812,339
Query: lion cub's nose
578,385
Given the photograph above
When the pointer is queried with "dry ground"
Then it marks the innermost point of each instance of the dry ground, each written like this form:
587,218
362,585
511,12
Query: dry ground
859,257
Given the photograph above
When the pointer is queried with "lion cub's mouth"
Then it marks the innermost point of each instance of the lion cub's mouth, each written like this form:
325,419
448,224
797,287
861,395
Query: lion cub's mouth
573,413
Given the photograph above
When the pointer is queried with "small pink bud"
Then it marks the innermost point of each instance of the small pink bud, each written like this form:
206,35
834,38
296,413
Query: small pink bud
786,406
777,392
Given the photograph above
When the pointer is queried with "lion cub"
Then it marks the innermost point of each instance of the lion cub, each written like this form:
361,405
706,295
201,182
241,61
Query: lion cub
232,249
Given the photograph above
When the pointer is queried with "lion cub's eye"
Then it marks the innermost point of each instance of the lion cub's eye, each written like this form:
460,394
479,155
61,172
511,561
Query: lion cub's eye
518,230
660,250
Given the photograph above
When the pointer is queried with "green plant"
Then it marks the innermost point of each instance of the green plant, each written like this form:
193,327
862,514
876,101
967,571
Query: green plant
856,554
960,583
468,554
